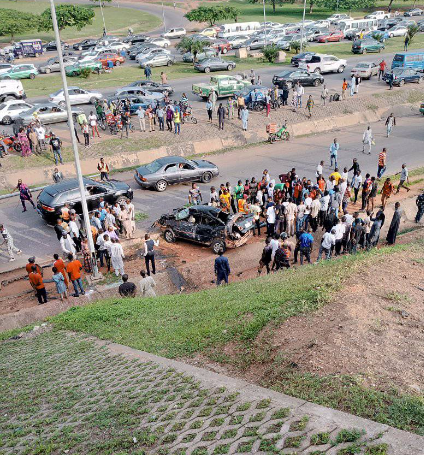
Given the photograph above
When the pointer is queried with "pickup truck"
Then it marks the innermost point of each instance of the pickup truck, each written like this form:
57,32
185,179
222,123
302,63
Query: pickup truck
378,15
222,85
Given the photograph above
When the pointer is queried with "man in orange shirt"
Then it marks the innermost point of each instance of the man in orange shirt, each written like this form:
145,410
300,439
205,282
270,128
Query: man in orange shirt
60,266
36,281
381,163
74,268
344,88
31,262
386,191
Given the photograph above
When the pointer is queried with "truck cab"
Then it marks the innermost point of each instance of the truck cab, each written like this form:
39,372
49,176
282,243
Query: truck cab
222,85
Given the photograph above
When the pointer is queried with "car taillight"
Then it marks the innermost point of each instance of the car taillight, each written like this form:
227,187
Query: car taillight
47,208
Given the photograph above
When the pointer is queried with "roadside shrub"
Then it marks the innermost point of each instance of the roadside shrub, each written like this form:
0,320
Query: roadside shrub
412,31
270,52
85,73
295,46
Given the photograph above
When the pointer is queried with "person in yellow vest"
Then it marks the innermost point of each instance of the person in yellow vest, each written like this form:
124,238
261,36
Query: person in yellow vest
242,204
177,121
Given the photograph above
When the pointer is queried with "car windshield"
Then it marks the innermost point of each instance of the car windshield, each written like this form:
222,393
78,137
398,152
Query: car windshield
285,74
2,106
154,166
362,65
182,214
57,93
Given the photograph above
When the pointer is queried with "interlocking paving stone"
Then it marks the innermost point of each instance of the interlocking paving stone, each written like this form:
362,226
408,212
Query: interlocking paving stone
67,393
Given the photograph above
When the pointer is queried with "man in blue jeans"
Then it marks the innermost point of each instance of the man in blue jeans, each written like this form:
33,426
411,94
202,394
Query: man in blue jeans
56,144
74,271
305,246
334,148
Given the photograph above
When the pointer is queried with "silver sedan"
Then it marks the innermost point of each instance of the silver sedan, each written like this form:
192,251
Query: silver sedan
46,113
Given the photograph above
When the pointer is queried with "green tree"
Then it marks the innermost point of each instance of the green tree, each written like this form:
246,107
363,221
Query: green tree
14,22
188,44
273,3
271,52
67,16
348,5
412,31
212,14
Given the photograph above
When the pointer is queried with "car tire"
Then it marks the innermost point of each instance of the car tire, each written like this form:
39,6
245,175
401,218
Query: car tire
7,120
62,104
248,48
36,55
80,48
229,67
169,63
169,236
364,51
7,77
341,69
117,63
401,83
218,245
93,100
32,76
391,35
97,71
121,200
206,177
207,69
316,83
317,70
161,186
48,70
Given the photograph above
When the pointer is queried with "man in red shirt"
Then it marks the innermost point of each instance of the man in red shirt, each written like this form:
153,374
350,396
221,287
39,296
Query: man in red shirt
74,271
36,281
382,69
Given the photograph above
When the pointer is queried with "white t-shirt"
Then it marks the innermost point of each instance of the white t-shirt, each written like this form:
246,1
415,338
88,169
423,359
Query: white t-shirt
41,133
274,244
92,119
325,200
308,203
328,240
270,214
301,210
340,230
319,170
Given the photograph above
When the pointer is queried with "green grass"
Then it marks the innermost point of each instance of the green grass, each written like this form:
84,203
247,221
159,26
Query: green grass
117,20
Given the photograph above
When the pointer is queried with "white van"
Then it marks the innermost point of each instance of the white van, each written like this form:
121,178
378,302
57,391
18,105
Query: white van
11,89
238,28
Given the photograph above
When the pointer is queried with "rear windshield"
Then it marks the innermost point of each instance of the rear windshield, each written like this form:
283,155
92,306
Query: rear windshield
45,197
398,58
154,166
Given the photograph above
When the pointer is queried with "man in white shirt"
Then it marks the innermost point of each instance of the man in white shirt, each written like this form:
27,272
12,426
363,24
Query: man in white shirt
92,118
274,244
117,257
367,140
318,172
301,208
291,211
41,135
300,91
270,219
404,177
327,243
75,234
356,184
256,210
67,245
324,202
141,114
315,208
131,213
340,229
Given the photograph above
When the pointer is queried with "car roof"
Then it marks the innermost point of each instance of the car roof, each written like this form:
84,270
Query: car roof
66,185
205,209
171,159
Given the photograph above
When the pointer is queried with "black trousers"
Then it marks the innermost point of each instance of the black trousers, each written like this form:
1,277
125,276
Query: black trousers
257,226
305,252
41,295
210,114
150,258
86,139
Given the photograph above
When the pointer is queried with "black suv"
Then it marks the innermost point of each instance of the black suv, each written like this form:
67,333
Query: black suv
291,77
85,44
51,200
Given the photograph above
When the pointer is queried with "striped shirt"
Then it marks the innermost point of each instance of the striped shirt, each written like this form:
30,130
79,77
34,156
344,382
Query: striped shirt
382,159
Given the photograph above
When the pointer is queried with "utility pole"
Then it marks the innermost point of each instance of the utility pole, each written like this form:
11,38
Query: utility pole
163,18
303,26
74,144
263,1
103,17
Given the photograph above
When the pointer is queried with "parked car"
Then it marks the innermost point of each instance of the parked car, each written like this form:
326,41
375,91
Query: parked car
116,59
422,108
25,71
46,113
380,35
301,58
188,57
4,67
157,60
135,102
140,48
286,42
247,92
151,86
160,41
413,12
76,96
175,33
336,36
10,110
404,75
313,34
254,43
291,77
52,198
77,67
335,18
365,70
362,46
11,89
84,44
134,39
174,169
139,91
209,31
151,52
221,84
52,65
214,64
378,15
28,48
115,47
207,225
323,63
237,41
397,30
51,46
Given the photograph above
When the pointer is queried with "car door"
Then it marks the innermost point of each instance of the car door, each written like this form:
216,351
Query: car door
206,228
188,173
94,192
172,173
303,77
16,109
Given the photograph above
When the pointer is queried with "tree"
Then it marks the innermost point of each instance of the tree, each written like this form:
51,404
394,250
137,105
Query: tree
212,14
274,3
348,5
14,22
271,52
67,16
412,31
188,44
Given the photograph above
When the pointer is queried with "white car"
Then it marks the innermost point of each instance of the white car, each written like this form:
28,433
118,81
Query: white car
89,55
162,42
323,63
76,95
5,67
175,33
113,47
10,110
397,30
157,60
322,24
378,15
335,18
149,52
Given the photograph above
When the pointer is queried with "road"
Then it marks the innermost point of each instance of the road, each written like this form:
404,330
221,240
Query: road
34,237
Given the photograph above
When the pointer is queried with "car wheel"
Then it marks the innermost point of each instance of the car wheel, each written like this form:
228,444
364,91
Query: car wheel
36,55
6,77
169,236
121,200
341,69
7,120
326,41
169,63
32,76
117,63
316,82
165,45
93,100
207,69
225,50
401,83
161,185
317,70
62,104
364,51
248,48
97,71
229,67
391,35
218,245
48,70
206,177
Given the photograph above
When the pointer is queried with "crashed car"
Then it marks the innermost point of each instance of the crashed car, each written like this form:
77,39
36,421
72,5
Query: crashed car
208,226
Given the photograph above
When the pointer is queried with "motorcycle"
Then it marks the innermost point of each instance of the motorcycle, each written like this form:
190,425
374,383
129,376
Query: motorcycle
280,134
188,116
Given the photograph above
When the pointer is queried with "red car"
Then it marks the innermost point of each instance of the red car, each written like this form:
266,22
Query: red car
223,45
333,36
115,58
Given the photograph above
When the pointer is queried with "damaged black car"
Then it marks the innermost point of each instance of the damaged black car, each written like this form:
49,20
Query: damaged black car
208,226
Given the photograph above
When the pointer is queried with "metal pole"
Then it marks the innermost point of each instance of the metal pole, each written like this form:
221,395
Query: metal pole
103,17
303,26
263,1
337,6
74,141
163,18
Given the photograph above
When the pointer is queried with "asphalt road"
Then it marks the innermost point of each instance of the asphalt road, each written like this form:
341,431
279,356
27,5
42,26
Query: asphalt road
34,237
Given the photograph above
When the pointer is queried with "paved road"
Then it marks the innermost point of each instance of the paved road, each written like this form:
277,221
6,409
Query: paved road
405,145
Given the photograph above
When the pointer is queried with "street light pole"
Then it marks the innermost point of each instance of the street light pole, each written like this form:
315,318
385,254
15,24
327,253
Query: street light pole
163,18
74,142
303,26
103,17
263,1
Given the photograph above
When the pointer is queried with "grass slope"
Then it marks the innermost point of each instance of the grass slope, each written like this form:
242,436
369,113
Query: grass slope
117,20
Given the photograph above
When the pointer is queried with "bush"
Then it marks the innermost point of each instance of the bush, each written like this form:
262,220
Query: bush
412,31
295,46
85,73
271,52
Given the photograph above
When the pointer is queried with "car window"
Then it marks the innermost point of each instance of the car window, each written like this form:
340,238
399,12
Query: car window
187,167
171,168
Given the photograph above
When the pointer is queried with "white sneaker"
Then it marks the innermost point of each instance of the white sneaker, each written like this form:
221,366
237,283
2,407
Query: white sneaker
12,259
19,252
